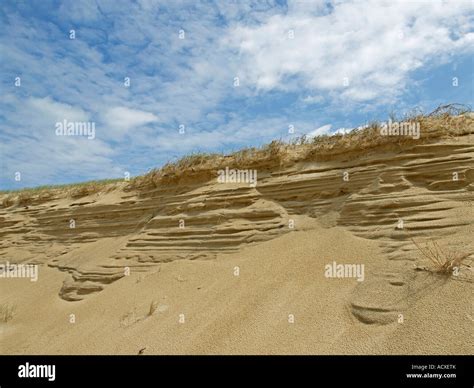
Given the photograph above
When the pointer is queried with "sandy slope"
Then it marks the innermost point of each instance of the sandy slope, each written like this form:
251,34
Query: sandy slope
191,270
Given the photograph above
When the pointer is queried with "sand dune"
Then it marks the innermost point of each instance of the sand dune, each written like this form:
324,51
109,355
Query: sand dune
201,267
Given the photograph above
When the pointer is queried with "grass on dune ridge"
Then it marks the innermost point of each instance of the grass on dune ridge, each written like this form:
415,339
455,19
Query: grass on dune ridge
446,121
40,194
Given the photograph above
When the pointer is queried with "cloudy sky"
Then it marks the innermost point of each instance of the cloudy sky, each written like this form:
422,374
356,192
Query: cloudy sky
229,73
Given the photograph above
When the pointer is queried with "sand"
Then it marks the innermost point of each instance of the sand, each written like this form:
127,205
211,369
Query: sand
213,268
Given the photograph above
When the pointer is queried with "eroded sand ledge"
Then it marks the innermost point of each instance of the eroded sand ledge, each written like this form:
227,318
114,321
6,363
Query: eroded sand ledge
191,270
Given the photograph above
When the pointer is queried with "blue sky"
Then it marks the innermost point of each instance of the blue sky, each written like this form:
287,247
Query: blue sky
315,65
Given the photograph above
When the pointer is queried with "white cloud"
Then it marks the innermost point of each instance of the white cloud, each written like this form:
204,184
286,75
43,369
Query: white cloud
359,51
343,131
313,100
79,11
47,108
324,130
122,119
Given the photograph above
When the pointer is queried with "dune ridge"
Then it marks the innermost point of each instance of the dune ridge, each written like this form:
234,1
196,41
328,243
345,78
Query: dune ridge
428,187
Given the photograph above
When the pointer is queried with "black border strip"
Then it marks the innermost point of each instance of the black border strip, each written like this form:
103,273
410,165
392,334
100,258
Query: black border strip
381,371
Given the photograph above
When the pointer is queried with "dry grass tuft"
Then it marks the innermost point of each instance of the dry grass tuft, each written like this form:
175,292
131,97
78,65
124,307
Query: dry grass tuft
8,201
153,307
42,194
444,261
25,198
84,190
7,312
